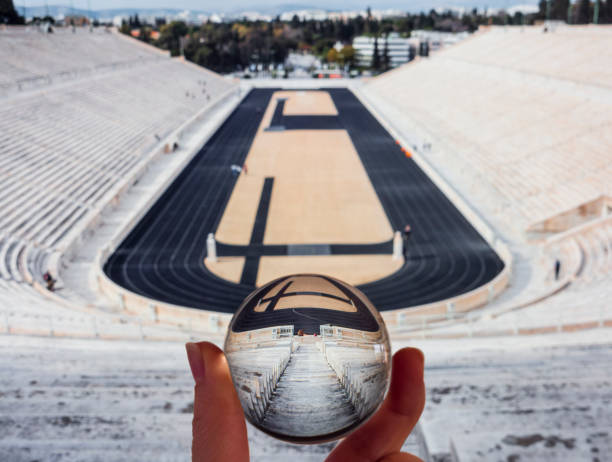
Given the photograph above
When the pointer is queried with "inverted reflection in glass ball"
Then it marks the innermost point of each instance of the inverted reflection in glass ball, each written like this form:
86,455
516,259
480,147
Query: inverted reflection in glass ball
309,357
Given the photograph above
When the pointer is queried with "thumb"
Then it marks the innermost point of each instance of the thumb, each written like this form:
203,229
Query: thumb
219,428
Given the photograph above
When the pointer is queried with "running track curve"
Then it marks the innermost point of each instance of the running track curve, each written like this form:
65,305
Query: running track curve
163,256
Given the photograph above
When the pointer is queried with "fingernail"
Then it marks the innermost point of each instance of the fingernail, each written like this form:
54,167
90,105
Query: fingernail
196,362
421,357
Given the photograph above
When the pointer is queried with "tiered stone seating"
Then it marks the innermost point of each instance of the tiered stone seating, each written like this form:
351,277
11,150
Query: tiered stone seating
96,109
522,113
24,310
579,54
32,58
585,300
580,301
534,398
64,150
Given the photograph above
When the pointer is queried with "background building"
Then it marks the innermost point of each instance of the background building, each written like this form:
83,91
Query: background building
438,39
398,49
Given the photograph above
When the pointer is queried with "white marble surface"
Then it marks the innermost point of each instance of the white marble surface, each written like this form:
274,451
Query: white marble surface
89,400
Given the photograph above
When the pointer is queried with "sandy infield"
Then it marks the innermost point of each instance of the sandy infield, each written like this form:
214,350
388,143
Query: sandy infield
321,195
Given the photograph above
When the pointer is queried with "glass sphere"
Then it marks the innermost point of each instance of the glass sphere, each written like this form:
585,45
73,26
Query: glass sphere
309,357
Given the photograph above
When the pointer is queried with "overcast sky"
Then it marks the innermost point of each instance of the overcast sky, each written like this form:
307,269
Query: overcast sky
243,5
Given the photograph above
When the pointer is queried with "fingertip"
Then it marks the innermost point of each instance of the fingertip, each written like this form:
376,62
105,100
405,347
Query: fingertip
196,362
214,385
217,412
200,355
207,348
408,358
407,389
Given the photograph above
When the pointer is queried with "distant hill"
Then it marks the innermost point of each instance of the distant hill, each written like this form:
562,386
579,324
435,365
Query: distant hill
59,10
234,9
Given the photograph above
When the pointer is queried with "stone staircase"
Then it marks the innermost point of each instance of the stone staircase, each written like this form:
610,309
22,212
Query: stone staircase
310,395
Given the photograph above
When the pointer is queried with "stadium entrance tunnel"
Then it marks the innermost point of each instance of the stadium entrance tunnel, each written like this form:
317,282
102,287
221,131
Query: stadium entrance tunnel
162,258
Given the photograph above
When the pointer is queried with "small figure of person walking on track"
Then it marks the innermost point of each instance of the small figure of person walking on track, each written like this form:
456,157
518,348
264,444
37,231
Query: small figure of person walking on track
407,231
406,236
557,269
50,281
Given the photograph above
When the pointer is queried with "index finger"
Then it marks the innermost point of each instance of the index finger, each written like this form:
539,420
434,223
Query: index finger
219,428
385,432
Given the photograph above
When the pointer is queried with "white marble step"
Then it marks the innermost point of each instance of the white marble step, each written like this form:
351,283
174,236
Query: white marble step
309,398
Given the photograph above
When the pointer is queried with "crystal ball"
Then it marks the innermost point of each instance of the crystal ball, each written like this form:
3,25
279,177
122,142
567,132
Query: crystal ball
309,357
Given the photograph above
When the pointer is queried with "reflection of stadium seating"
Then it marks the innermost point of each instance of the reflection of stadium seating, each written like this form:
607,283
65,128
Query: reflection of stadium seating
255,373
270,367
358,367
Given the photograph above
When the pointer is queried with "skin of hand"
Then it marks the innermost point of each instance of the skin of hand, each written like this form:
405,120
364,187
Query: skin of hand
219,427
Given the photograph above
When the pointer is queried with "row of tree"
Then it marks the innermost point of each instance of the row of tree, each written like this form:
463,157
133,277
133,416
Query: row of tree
580,12
8,13
230,46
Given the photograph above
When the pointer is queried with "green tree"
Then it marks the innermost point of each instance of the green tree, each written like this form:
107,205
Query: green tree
332,55
295,21
584,12
203,56
606,12
359,24
170,36
125,27
348,55
376,56
225,47
558,9
386,60
8,14
542,9
145,34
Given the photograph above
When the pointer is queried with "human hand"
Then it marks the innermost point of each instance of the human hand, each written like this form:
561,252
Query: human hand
219,427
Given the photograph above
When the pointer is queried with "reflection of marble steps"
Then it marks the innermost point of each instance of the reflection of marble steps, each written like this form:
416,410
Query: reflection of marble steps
309,394
266,449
